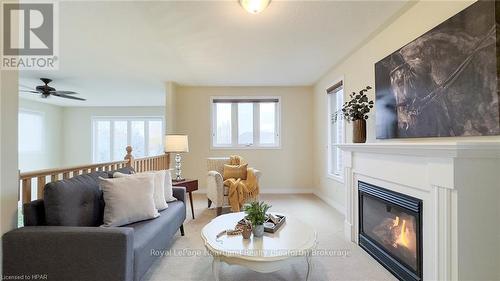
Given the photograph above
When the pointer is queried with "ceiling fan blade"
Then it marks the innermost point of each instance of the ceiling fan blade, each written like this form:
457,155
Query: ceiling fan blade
29,91
65,96
64,92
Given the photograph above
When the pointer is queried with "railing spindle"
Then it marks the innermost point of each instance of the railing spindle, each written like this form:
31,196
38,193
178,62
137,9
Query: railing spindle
40,187
26,188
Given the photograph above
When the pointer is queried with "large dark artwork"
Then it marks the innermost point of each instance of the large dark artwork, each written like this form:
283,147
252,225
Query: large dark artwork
445,83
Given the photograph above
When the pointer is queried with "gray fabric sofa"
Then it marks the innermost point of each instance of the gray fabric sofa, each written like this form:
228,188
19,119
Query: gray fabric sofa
62,239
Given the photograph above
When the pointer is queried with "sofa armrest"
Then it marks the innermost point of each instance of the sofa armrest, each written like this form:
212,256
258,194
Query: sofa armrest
215,188
69,253
34,213
179,192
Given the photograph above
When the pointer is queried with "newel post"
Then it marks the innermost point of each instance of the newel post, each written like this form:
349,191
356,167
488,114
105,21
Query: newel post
129,157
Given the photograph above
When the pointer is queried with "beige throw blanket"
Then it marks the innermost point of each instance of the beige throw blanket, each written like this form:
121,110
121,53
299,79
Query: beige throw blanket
241,190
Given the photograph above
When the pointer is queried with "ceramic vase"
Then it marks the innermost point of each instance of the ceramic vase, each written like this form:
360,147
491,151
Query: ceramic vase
258,230
359,131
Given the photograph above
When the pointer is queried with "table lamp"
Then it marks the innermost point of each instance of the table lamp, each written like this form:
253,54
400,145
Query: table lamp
177,144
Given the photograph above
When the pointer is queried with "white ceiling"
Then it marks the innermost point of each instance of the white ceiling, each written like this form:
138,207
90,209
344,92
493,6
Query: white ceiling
121,53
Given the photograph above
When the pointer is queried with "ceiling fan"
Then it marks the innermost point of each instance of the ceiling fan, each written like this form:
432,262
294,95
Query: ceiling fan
46,91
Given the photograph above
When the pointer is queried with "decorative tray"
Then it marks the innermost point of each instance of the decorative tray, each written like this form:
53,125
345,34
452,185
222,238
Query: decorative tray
270,226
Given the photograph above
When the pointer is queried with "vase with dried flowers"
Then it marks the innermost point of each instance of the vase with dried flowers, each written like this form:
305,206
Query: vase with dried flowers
356,110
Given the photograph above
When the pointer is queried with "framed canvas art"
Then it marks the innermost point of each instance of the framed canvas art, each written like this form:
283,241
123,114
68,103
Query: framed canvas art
444,83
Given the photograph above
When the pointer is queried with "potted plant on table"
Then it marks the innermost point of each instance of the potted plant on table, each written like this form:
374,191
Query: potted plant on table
356,110
256,214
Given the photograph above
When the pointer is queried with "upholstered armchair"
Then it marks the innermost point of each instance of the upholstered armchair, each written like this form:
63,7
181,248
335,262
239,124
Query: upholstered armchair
216,191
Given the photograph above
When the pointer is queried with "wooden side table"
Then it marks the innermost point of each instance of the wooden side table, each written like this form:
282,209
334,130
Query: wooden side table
190,185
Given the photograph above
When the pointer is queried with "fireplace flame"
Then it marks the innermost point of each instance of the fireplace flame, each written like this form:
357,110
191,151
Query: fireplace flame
402,238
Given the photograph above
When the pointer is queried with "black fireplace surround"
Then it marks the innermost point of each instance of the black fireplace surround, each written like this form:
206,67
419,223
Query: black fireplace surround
390,230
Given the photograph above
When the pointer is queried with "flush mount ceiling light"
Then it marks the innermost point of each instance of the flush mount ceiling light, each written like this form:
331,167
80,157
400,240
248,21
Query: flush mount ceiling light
254,6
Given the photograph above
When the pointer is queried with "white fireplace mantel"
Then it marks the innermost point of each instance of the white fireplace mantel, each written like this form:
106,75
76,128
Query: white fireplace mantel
487,149
459,184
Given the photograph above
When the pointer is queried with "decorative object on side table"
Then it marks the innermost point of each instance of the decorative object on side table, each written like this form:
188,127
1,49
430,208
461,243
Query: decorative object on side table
356,110
256,213
190,185
177,144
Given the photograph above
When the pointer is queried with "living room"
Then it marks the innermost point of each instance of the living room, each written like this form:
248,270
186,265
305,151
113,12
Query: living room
144,152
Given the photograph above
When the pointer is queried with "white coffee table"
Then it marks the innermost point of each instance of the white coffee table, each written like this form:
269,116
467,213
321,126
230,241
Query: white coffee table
270,253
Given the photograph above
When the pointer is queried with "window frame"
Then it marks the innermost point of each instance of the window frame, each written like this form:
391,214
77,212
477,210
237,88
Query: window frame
43,137
330,145
234,124
128,119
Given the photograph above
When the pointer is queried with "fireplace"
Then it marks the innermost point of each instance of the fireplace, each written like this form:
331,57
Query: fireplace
390,229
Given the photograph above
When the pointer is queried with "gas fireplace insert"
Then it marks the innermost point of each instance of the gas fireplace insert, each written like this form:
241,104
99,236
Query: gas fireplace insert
390,229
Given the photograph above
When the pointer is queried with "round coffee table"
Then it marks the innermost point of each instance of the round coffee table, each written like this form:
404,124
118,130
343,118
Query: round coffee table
269,253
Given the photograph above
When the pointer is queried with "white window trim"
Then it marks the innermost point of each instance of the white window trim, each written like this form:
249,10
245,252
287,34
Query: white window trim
340,177
129,140
234,131
43,138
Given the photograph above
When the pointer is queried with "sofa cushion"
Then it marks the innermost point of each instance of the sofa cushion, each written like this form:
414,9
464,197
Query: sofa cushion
74,202
159,186
169,193
128,199
124,170
155,235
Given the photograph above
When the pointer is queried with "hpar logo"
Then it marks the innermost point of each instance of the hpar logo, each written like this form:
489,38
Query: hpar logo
30,36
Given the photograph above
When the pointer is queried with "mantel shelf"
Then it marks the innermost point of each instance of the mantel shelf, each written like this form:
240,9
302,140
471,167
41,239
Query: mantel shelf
462,149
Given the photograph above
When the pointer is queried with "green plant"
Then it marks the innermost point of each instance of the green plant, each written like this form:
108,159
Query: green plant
355,109
256,212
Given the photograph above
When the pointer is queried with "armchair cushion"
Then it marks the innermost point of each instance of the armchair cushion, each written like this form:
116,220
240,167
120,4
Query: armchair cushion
235,171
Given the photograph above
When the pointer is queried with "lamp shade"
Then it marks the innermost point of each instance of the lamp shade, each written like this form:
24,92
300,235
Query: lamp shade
176,143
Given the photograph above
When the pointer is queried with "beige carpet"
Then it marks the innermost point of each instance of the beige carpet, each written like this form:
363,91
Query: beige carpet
196,265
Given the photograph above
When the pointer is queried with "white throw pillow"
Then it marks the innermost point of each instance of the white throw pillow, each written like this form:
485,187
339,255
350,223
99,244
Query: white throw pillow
169,193
159,187
128,199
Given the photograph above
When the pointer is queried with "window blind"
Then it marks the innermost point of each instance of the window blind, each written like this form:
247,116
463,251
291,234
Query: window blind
249,100
335,88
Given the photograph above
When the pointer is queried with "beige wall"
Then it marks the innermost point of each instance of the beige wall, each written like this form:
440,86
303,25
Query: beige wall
77,128
8,150
288,169
358,72
52,154
170,95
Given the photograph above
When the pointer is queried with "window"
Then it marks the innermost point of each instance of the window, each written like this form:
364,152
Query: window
31,128
245,122
335,95
112,135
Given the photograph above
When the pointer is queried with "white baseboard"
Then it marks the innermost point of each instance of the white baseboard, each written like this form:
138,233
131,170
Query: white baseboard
275,191
340,208
287,191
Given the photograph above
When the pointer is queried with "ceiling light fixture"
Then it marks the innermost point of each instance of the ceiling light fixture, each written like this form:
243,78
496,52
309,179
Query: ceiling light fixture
254,6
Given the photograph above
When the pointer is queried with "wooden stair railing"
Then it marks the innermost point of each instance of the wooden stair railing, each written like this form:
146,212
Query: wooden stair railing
37,179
